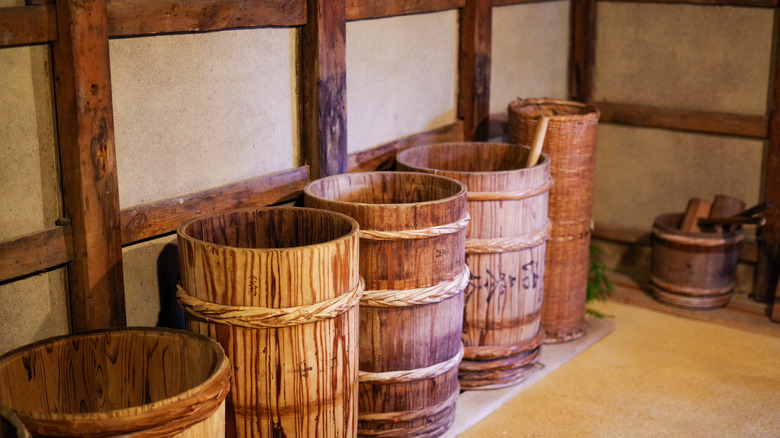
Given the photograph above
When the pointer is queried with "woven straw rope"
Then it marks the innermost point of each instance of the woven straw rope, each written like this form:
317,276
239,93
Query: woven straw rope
490,352
395,417
423,233
412,375
263,317
693,291
510,195
509,243
415,297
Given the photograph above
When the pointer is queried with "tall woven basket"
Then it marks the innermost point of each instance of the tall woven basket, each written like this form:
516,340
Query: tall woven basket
279,288
571,144
412,234
505,245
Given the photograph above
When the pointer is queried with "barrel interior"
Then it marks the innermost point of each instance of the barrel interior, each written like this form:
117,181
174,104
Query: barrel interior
269,228
384,188
105,371
550,109
467,157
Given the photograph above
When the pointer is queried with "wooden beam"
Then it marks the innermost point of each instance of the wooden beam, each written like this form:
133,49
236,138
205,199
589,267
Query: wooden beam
35,252
684,120
474,68
768,281
737,3
85,125
157,218
582,57
27,25
517,2
324,88
364,9
382,157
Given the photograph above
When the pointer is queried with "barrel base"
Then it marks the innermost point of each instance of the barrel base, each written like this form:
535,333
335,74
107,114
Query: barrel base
691,302
497,373
435,424
560,336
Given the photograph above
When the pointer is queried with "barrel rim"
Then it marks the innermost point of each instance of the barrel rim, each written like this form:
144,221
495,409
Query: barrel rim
220,371
353,232
543,159
586,110
461,192
662,230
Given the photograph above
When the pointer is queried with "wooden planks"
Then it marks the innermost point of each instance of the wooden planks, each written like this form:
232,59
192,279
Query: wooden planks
738,3
474,68
85,126
768,284
157,218
323,86
582,56
364,9
27,25
35,252
383,156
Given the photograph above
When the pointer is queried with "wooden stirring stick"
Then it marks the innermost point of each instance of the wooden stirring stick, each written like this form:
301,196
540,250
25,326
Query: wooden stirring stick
536,146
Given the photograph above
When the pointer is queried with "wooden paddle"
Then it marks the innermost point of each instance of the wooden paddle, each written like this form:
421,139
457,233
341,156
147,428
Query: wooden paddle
536,146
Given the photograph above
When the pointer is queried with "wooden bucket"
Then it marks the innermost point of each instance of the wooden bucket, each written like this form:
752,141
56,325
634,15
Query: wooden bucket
139,382
11,426
278,287
505,246
693,270
571,145
412,233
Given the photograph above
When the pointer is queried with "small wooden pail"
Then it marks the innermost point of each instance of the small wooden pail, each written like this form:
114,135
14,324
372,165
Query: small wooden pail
693,270
505,246
571,144
140,382
278,287
412,233
11,426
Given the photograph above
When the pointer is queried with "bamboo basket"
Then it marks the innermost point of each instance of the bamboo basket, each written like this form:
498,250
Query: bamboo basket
571,145
412,234
138,382
11,426
693,270
278,287
505,247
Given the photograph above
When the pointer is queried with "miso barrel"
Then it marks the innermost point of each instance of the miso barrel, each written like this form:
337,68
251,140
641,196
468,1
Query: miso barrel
146,382
278,287
571,144
412,231
693,270
505,249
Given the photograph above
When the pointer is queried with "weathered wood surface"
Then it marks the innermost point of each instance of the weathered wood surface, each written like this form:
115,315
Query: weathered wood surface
508,202
474,68
127,382
738,3
27,25
160,217
35,252
364,9
382,157
405,335
295,368
582,55
85,128
323,86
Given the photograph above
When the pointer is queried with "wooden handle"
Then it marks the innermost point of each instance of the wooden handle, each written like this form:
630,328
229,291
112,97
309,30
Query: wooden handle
756,209
733,220
536,146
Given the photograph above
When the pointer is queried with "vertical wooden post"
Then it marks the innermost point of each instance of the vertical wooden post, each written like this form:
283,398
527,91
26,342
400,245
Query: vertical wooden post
582,58
324,87
85,126
476,22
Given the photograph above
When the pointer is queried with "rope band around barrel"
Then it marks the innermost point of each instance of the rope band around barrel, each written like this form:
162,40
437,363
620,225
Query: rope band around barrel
397,417
412,375
510,243
701,239
491,352
263,317
510,195
423,233
419,296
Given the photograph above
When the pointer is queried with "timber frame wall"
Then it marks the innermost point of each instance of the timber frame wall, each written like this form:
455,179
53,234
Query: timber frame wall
90,237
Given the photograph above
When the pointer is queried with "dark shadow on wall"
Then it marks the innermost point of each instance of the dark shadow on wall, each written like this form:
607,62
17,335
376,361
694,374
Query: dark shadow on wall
168,275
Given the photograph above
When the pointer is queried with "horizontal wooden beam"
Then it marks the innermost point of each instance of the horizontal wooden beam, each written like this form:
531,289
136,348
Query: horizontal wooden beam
738,3
517,2
364,9
383,157
27,25
35,252
157,218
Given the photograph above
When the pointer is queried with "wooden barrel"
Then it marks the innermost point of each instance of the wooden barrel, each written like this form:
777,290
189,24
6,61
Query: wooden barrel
412,232
122,382
693,270
571,145
11,426
278,287
505,246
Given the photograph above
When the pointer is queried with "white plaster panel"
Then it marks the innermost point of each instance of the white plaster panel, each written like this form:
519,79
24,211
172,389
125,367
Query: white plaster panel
197,111
151,273
530,53
709,58
401,77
